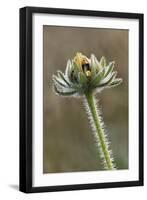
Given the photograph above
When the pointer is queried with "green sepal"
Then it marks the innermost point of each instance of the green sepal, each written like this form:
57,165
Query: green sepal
103,61
59,81
63,93
109,68
77,68
82,78
108,81
62,76
97,78
116,82
95,65
68,70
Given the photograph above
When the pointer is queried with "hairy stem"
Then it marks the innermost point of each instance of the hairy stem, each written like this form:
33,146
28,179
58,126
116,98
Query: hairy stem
99,131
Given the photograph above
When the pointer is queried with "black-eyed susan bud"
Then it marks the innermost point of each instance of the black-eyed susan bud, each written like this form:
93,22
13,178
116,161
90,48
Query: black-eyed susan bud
83,74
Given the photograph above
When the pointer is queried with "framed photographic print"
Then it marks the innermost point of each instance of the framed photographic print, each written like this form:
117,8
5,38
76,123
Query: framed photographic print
81,99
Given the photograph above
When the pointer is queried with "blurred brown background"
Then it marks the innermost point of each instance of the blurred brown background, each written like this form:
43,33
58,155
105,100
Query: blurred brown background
68,142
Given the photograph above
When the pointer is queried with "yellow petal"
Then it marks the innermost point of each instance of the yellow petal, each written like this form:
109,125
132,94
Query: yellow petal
80,59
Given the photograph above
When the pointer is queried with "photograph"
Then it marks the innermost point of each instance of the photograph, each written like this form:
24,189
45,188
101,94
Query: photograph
79,64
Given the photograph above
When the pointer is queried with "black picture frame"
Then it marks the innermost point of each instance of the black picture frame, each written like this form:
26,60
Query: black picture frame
26,170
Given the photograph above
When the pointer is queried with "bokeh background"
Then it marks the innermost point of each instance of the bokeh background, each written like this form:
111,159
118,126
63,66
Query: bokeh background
68,142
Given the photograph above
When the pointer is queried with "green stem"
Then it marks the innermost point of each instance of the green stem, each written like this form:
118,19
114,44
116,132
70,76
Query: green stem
99,131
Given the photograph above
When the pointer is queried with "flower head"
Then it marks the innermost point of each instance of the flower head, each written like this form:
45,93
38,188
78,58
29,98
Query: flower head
84,74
